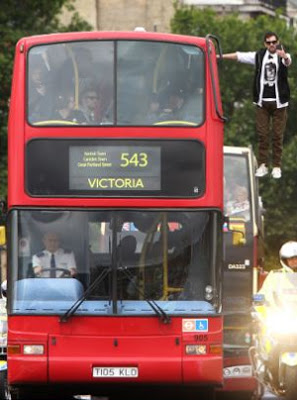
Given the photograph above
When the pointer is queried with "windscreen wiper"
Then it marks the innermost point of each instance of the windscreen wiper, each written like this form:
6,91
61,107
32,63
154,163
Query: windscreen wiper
83,297
155,307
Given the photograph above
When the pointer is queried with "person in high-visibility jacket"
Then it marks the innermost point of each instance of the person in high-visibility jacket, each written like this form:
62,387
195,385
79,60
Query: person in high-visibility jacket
273,281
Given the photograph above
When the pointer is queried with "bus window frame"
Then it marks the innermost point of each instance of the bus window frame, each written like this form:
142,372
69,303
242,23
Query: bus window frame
115,41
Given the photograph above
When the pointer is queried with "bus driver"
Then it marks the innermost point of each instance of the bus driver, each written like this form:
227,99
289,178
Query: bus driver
53,261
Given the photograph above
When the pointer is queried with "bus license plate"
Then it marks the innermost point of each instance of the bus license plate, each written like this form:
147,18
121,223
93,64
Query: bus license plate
115,372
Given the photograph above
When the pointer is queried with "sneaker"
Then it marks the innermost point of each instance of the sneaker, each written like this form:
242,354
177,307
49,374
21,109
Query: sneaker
262,171
276,173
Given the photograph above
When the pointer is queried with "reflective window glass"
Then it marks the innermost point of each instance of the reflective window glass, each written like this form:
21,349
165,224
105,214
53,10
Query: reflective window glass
104,257
97,83
236,187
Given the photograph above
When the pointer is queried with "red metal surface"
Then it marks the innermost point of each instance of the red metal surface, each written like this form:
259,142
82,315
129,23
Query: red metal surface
75,347
239,385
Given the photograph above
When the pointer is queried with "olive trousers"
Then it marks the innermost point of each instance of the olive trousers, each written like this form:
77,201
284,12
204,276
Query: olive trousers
266,116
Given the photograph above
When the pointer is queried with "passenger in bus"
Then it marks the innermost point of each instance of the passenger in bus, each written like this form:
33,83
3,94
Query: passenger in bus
127,249
174,107
64,110
39,96
53,261
239,204
182,106
89,106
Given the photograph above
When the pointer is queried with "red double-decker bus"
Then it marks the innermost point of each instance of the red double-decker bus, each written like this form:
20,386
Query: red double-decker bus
115,205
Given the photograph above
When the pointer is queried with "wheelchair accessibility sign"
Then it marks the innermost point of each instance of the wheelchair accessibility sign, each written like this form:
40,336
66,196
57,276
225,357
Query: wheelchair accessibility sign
195,325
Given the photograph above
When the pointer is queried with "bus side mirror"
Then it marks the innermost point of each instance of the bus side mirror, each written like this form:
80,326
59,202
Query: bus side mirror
236,225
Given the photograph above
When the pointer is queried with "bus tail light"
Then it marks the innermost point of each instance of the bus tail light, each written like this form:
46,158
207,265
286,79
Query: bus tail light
195,349
215,349
33,349
13,349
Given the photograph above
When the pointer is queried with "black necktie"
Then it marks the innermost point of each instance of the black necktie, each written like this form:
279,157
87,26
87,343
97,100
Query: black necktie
53,267
270,56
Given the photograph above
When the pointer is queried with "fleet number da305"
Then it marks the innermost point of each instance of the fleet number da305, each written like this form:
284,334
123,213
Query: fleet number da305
115,372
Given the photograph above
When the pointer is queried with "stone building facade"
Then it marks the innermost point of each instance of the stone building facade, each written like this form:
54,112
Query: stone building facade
119,15
155,15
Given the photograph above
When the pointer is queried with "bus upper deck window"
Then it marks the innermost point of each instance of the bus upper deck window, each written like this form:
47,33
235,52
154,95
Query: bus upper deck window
97,83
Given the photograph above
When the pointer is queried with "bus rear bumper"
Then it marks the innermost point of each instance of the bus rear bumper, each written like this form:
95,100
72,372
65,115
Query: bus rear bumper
141,371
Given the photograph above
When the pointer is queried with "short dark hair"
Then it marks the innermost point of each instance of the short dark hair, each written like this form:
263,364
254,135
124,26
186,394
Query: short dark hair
269,34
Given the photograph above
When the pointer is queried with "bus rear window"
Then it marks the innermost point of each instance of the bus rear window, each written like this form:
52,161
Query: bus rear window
126,83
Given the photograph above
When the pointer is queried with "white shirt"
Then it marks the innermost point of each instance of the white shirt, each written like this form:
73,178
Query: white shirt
249,57
63,259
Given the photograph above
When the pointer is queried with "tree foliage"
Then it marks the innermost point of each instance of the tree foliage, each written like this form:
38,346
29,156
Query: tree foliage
279,196
19,19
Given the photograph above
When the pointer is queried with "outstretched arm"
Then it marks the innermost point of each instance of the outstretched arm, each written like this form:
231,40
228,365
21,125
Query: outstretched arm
245,57
230,56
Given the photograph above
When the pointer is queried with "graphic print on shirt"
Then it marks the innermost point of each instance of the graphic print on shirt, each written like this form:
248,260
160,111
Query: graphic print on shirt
269,73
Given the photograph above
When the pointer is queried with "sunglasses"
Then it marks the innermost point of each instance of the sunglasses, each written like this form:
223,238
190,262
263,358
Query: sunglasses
92,97
271,42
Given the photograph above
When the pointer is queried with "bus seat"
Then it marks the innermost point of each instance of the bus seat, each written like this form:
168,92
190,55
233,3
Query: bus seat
45,289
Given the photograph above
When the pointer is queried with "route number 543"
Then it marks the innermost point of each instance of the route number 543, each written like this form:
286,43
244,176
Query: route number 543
135,159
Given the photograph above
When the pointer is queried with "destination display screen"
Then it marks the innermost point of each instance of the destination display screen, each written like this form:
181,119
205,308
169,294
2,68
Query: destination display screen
115,168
